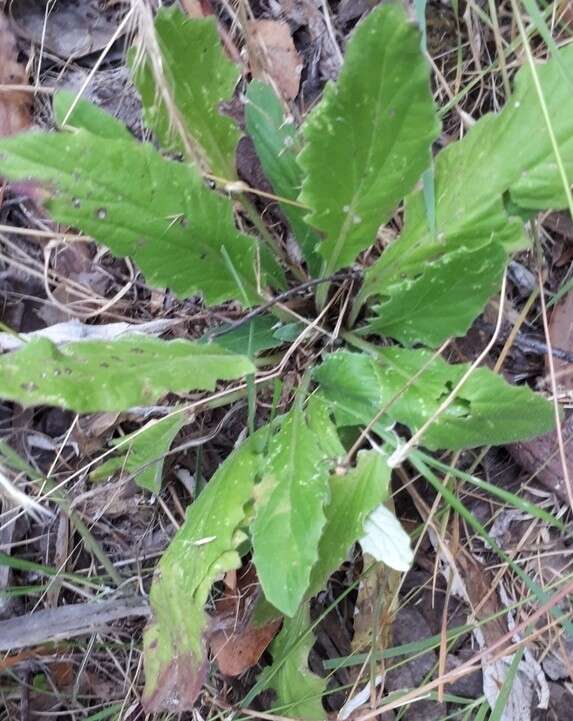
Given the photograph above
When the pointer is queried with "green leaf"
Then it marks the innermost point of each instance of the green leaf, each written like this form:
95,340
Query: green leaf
494,158
276,142
90,376
433,306
289,513
198,77
141,454
299,692
126,196
203,549
368,140
88,116
289,332
487,410
319,420
541,188
259,334
354,495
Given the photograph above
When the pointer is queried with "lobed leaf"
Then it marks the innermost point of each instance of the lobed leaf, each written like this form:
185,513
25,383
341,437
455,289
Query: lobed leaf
126,196
353,496
141,454
487,410
289,517
433,305
258,334
299,691
199,77
276,142
495,158
203,549
91,376
88,116
368,140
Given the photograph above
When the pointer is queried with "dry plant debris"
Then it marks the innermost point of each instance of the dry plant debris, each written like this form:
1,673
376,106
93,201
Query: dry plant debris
15,105
483,619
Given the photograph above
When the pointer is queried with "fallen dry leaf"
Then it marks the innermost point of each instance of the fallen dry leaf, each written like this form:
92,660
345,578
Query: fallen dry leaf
272,54
478,582
236,651
236,642
380,582
197,8
561,335
306,13
566,12
15,105
540,457
70,29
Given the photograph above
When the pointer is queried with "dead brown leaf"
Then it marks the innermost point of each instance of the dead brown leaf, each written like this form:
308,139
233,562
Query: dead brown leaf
540,457
272,54
381,582
236,641
479,584
67,28
197,8
561,335
91,431
15,105
236,651
566,12
561,224
306,13
179,685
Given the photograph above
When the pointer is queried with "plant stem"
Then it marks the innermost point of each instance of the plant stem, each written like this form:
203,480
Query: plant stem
269,239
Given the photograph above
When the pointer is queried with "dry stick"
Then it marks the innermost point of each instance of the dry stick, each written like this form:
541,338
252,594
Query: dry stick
560,442
59,624
49,6
27,89
499,49
285,295
34,232
444,637
400,454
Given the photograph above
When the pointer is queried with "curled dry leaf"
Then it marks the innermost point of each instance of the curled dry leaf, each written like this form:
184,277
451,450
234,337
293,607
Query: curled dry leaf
540,457
561,335
306,13
15,105
237,642
381,582
197,8
272,54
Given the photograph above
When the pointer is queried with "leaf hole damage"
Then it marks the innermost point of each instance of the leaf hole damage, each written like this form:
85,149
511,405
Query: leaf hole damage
460,407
